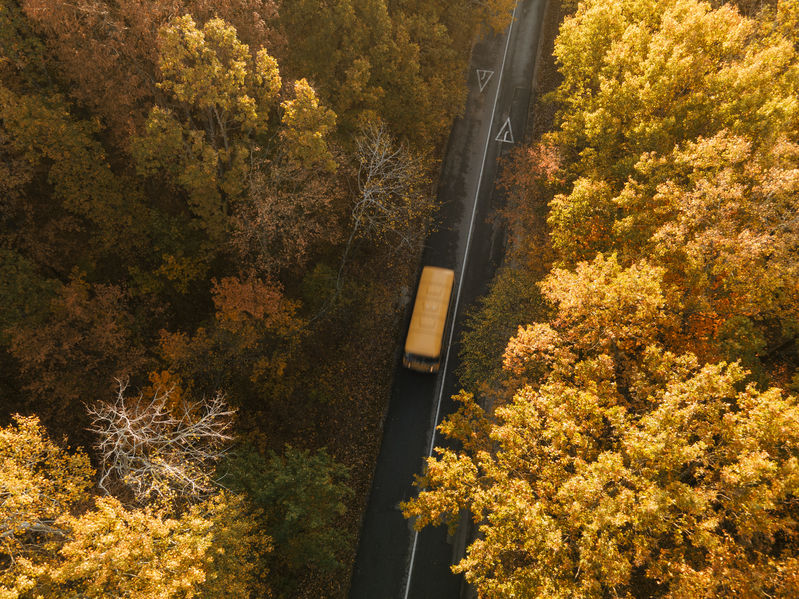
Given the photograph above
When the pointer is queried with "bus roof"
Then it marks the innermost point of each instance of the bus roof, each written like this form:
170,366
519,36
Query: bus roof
430,312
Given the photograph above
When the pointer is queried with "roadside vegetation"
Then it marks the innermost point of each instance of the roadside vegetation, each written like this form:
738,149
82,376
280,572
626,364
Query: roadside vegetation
208,211
628,426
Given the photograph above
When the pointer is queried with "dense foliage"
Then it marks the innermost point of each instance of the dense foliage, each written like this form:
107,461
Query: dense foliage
300,495
110,549
637,435
184,215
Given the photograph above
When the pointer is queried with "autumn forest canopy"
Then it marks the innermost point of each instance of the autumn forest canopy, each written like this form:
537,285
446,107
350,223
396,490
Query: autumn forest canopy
208,210
630,425
196,215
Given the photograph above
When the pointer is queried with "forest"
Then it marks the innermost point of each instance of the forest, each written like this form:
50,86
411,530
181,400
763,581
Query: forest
208,211
629,419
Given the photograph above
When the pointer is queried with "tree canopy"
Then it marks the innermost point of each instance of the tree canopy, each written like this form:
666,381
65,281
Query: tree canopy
179,192
636,437
577,494
58,540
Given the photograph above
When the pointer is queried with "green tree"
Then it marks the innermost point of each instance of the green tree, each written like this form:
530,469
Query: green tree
24,294
223,100
510,303
84,211
302,496
106,52
399,61
24,53
306,124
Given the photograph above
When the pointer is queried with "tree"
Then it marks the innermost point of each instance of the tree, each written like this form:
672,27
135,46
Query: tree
602,312
63,203
159,448
107,53
222,98
692,496
39,482
287,214
84,209
246,348
115,551
216,133
111,550
399,61
724,225
641,79
643,95
332,47
394,199
510,303
23,51
302,496
57,540
495,13
531,177
582,221
86,340
68,203
25,295
787,17
306,124
678,136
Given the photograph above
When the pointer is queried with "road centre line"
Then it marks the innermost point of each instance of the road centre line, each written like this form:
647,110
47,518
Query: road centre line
443,374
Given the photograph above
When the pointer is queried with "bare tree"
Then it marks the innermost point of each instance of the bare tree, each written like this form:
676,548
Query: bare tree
160,450
394,199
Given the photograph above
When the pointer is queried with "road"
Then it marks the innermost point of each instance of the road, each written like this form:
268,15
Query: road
393,561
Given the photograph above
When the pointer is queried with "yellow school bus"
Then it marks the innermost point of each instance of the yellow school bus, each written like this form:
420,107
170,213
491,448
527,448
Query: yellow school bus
423,344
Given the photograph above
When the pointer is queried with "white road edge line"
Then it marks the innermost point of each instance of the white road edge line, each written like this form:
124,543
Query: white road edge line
460,281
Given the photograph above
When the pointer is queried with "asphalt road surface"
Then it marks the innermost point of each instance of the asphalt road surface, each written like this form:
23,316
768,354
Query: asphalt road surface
393,561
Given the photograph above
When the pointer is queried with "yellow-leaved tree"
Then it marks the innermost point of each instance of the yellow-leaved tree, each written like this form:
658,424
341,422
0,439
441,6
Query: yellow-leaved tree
619,468
576,495
59,541
217,121
222,97
39,482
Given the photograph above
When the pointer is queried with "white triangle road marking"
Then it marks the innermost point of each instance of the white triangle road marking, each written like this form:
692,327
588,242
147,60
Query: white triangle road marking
483,77
505,134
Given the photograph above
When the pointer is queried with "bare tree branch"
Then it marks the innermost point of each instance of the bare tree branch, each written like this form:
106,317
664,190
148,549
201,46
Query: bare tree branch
159,450
394,199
